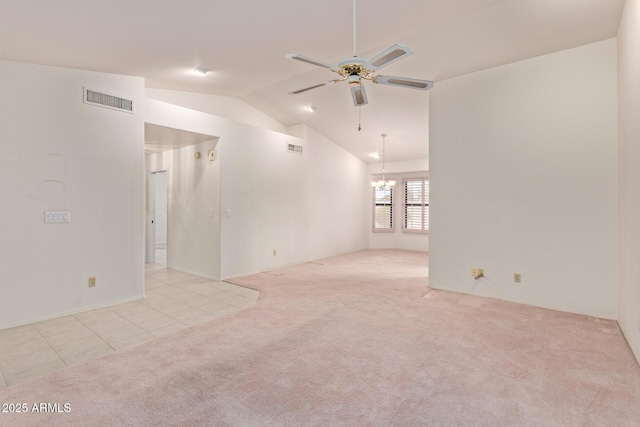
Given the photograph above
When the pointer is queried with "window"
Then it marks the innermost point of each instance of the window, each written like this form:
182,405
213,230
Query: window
383,210
416,205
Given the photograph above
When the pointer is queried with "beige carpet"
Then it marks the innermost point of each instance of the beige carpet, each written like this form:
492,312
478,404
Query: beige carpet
351,340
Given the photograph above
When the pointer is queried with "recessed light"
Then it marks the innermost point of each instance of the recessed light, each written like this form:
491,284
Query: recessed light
375,155
201,71
310,108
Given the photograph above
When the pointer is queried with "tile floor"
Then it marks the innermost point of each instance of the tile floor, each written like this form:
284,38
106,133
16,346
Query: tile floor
173,301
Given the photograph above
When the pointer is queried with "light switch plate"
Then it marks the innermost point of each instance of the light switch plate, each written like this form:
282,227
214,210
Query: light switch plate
51,217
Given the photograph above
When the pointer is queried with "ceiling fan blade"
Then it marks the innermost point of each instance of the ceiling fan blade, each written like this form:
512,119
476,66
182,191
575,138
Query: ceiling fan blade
310,61
388,56
404,82
295,92
358,94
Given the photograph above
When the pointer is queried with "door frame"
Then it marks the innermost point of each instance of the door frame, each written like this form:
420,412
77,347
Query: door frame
150,217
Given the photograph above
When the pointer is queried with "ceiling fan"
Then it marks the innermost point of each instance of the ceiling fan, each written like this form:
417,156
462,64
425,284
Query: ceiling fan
354,70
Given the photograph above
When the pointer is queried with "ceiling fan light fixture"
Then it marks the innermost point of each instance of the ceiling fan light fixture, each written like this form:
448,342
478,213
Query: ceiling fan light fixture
354,79
358,94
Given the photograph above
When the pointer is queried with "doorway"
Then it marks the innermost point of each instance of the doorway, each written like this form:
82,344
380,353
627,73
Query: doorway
165,166
157,236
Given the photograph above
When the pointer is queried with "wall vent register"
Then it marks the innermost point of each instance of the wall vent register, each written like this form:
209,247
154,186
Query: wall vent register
99,99
297,149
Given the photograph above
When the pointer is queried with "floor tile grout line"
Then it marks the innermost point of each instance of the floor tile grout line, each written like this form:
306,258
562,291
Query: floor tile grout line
204,315
196,308
179,321
150,331
83,324
154,309
124,318
134,323
95,333
189,308
4,379
195,294
1,364
49,344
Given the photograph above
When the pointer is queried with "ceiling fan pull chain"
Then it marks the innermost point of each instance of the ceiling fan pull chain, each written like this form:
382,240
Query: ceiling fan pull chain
359,118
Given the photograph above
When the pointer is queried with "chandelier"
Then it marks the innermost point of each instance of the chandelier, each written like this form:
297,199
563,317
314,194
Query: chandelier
383,184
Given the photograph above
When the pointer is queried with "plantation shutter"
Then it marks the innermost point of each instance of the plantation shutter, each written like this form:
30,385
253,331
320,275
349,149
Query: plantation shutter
416,205
383,210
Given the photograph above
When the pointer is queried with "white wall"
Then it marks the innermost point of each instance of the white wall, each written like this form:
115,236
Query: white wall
629,172
57,153
193,208
523,173
304,206
418,168
222,106
333,197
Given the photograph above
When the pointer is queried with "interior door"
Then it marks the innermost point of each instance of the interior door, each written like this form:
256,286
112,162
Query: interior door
160,222
151,218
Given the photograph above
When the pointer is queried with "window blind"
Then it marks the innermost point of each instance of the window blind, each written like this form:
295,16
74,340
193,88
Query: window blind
416,205
383,210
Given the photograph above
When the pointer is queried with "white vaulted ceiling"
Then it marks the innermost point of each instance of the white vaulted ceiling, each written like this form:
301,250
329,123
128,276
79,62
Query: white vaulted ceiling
244,44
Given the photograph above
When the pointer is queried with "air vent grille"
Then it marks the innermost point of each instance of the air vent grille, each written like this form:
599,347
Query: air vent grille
108,101
297,149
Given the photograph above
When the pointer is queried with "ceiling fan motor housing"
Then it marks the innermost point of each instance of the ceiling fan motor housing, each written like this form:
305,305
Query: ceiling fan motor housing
355,67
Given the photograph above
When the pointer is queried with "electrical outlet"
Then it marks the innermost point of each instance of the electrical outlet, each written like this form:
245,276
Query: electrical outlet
517,278
92,282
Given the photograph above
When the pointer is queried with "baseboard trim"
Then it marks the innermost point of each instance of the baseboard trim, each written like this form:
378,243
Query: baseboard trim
626,338
71,312
516,301
195,273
